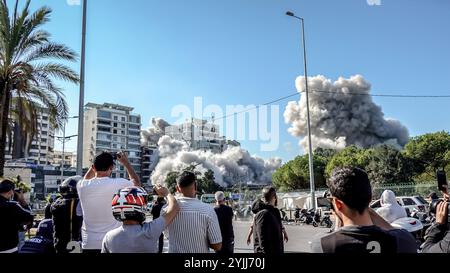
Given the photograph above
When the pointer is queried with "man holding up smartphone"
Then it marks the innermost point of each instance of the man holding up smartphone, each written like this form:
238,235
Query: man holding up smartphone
437,238
95,192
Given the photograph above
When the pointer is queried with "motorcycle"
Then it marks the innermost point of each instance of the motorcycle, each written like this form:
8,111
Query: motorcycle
305,217
425,218
316,218
326,221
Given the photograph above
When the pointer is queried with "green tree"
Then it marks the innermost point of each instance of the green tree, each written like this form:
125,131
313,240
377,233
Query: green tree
386,164
294,175
207,183
428,153
352,156
21,185
25,69
171,181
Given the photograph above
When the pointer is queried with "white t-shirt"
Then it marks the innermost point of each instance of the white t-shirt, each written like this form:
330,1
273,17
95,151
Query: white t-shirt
96,197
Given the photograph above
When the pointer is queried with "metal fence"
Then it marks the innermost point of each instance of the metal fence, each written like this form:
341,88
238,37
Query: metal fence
405,189
400,189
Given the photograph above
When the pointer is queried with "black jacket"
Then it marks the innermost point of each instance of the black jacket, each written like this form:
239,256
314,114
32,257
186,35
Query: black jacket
267,229
12,218
66,223
437,239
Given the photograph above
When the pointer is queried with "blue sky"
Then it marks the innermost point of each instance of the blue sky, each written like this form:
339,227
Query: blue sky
153,55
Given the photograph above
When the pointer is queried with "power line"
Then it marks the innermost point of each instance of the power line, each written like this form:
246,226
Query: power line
382,95
335,93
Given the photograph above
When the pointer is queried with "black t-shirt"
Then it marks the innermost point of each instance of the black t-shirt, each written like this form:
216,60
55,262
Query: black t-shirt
225,216
366,239
13,217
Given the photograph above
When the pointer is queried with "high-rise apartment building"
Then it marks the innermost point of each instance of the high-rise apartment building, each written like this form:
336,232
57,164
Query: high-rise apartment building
199,135
113,128
42,146
70,159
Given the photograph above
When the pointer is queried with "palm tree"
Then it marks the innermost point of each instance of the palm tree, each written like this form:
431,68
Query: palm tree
27,67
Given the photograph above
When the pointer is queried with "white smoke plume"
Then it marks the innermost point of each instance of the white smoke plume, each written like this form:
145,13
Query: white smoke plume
340,118
232,166
153,134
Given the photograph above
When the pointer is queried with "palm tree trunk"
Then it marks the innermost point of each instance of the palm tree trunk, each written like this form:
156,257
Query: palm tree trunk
5,99
18,144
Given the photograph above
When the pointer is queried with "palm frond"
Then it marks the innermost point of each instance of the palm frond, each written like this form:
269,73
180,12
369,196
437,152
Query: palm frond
51,50
57,71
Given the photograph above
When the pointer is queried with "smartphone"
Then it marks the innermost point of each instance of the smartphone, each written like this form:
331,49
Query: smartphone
442,181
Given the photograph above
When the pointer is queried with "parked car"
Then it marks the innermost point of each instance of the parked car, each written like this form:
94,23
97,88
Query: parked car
408,202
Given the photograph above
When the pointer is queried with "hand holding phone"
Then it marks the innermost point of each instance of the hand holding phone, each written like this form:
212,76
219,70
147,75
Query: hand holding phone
442,181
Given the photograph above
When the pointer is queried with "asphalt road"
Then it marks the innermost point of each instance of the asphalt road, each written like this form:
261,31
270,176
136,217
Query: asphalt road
299,237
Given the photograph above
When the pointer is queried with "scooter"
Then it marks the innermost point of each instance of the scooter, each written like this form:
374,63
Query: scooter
412,225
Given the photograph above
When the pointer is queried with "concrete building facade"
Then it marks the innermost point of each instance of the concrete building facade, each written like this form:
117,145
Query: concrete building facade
113,128
42,146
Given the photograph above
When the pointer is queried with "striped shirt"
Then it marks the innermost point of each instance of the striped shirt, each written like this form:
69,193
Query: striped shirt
194,228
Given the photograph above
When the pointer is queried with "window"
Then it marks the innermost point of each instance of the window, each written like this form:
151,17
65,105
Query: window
134,133
115,124
114,146
103,143
113,175
123,119
115,138
133,147
135,119
44,125
133,126
423,201
122,132
114,131
43,140
103,129
44,133
375,204
105,137
121,175
103,114
45,118
123,126
102,122
116,118
408,202
122,139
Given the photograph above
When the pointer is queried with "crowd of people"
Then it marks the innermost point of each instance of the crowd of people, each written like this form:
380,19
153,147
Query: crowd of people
100,214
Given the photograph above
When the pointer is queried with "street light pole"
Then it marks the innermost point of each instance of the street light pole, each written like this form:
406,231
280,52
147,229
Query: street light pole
63,148
64,138
310,151
81,101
